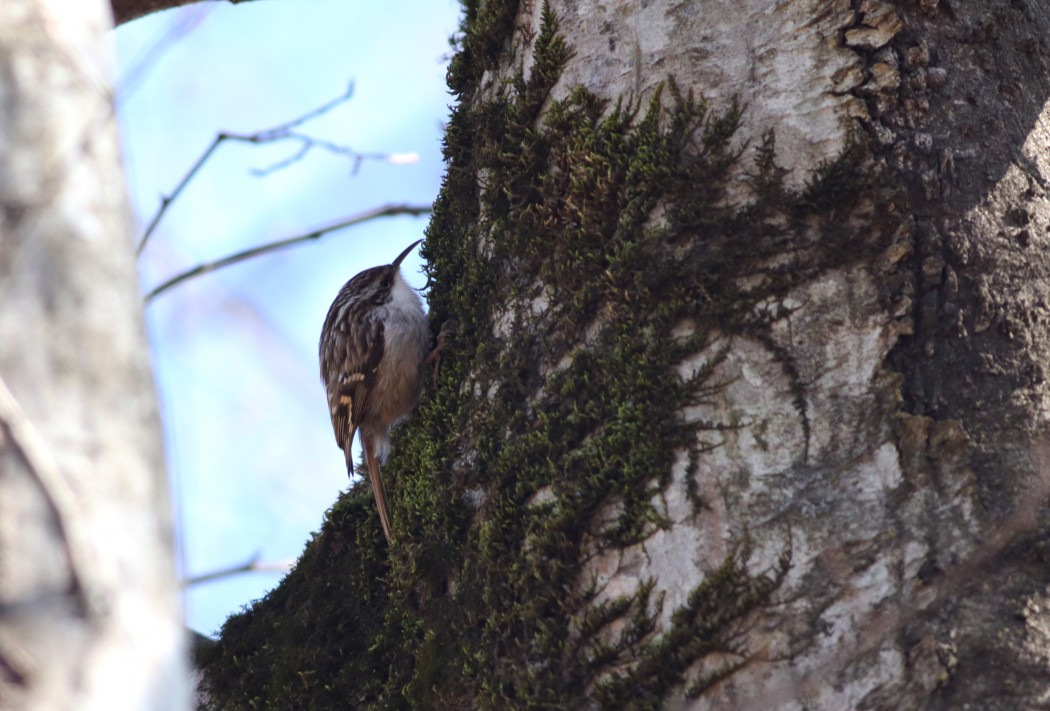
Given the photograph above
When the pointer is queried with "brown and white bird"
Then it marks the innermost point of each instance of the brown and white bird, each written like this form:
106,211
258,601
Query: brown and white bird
373,346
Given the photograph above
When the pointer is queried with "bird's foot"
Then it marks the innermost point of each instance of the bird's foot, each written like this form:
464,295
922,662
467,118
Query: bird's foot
434,357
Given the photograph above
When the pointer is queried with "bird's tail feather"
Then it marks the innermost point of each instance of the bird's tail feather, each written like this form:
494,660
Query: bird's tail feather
375,478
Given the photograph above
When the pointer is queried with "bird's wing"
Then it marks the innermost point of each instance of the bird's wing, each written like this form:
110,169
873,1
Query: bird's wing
352,363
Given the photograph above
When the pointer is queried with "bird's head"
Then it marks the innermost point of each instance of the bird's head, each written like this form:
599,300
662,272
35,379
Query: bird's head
373,286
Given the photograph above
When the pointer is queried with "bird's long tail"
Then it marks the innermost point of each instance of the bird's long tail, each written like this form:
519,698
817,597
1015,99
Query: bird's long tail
375,478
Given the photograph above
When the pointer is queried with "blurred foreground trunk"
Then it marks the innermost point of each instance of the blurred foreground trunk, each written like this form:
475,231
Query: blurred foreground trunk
88,606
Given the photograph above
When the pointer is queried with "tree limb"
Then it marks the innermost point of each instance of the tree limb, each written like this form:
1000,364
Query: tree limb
276,133
207,267
128,10
252,565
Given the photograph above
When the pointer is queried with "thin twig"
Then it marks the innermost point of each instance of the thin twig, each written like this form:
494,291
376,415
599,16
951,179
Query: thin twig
276,133
207,267
310,142
57,493
252,565
166,200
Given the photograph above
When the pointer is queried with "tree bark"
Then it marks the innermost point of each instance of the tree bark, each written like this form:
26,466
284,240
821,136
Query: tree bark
747,404
128,10
88,607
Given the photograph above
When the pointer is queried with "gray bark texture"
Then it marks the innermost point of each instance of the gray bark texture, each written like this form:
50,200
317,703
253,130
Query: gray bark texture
88,608
896,408
748,404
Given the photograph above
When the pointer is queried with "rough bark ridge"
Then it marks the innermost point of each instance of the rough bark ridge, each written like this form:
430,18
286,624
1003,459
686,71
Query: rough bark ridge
964,123
88,611
745,387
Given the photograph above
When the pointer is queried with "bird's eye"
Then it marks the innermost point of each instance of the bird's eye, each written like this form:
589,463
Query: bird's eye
386,281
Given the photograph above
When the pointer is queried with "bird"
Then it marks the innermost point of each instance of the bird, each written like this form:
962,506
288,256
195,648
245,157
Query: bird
373,348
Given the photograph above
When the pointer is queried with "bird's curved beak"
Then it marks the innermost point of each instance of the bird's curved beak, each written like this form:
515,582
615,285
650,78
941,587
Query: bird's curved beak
400,257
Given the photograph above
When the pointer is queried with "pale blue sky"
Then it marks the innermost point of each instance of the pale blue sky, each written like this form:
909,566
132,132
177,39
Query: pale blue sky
249,445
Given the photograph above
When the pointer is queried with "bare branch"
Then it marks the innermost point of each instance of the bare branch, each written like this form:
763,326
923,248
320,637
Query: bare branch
282,132
252,565
57,493
207,267
166,200
310,142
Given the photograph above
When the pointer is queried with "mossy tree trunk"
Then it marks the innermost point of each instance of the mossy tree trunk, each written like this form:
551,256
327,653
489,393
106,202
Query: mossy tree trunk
88,599
746,404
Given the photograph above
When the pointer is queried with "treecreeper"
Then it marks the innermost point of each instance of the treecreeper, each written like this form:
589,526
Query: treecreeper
373,349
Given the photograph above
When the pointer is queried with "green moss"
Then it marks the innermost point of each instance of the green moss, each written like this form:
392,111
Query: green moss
298,648
487,25
558,407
